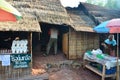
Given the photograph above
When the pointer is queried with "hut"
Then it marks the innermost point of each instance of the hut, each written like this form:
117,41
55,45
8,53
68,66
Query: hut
49,13
100,14
14,65
81,35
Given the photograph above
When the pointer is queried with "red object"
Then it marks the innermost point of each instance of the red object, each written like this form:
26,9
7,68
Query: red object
115,30
49,32
114,26
6,16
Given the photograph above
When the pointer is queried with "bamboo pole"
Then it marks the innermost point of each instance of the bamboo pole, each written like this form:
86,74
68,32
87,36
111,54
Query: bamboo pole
31,42
117,57
31,49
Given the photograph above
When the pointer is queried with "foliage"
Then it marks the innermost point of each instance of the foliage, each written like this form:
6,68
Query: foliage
112,4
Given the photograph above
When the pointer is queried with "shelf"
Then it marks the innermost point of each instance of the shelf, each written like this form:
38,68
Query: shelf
98,72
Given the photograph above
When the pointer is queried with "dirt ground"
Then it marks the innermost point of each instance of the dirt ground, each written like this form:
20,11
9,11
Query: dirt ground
57,67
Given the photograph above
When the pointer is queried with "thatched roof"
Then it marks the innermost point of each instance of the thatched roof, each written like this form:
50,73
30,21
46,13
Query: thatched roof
86,16
99,13
80,21
48,11
27,23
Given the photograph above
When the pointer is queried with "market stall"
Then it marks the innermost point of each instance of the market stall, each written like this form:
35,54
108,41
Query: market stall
102,64
16,30
15,55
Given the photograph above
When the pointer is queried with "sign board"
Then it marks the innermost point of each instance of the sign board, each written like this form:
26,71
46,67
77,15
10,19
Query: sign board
20,60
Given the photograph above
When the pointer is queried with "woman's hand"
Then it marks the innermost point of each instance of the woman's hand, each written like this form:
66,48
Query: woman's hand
105,46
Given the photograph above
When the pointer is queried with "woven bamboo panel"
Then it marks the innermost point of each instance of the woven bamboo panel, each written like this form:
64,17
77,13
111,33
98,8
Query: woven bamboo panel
65,44
80,42
10,73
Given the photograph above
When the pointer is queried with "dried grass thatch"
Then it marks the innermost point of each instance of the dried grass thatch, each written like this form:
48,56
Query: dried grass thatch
100,13
80,21
27,23
48,11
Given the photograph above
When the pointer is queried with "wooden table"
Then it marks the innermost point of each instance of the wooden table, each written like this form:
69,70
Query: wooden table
100,73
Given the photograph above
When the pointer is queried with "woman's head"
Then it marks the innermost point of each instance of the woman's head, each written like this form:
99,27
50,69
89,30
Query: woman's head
17,38
111,37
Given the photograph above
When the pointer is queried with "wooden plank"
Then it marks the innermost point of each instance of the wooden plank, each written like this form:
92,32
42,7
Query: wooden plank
65,44
102,74
93,69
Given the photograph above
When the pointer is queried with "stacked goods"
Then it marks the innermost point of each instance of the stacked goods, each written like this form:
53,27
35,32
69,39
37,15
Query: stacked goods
4,51
99,60
112,70
19,46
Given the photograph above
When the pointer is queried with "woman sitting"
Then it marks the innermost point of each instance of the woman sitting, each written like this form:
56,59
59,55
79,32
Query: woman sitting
109,45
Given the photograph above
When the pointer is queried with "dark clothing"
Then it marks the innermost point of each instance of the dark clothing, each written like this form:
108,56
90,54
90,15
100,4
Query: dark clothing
109,47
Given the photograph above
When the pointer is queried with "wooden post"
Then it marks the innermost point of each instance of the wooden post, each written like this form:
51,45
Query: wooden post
103,72
30,47
30,43
117,77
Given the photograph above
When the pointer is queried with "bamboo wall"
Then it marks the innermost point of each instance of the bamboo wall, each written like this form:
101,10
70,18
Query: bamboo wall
80,42
72,44
65,44
9,73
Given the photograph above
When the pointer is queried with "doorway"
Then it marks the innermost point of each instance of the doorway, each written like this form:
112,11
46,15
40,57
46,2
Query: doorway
43,38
